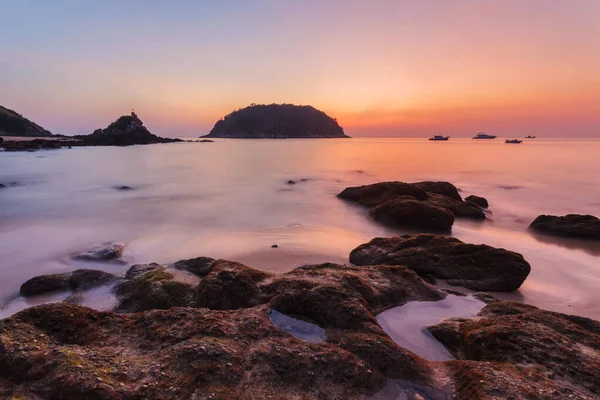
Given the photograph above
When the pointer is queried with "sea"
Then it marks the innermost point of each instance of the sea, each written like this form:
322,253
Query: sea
231,199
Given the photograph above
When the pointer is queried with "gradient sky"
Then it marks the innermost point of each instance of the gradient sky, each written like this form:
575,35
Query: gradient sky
382,68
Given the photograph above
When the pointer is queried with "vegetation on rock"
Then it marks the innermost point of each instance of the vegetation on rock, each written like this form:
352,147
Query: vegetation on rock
277,121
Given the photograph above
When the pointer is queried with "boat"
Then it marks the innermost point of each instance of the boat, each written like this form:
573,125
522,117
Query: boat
439,137
529,137
516,141
481,135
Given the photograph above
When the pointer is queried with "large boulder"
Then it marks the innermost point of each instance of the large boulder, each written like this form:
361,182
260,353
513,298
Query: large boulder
108,253
151,287
564,348
443,188
476,267
411,213
199,266
428,205
229,286
570,225
477,200
80,279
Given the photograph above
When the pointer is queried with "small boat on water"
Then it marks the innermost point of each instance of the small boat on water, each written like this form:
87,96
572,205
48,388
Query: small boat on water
481,135
516,141
529,137
439,137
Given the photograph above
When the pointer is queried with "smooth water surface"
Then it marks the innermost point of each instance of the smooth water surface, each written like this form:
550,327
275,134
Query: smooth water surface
407,324
230,199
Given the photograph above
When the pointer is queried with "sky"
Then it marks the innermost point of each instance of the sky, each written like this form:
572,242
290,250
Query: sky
381,67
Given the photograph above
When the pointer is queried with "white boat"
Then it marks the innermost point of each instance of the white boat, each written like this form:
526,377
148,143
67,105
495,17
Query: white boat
481,135
439,137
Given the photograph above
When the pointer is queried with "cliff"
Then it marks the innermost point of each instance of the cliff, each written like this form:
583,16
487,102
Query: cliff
14,124
277,121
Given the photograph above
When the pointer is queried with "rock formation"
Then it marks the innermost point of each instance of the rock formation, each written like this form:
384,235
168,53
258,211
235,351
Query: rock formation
424,205
476,267
571,225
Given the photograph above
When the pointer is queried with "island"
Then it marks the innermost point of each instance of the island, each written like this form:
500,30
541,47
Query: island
14,124
277,121
125,131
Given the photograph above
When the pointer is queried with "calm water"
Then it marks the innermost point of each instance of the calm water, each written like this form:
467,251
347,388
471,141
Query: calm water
229,199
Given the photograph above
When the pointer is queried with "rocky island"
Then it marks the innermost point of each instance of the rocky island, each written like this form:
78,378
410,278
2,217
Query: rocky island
126,131
277,121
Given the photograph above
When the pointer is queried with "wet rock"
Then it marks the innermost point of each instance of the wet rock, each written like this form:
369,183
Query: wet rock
291,182
150,290
527,342
139,269
173,354
45,283
571,225
443,188
110,252
123,188
229,286
274,246
431,206
476,267
478,201
379,193
405,211
460,209
199,266
79,279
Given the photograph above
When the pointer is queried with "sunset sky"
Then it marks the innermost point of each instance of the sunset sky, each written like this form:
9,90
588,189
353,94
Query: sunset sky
382,68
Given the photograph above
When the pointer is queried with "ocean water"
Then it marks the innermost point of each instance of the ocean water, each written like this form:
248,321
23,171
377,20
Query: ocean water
230,199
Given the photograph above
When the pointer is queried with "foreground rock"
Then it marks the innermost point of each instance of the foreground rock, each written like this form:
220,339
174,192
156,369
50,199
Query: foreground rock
476,267
570,225
424,205
559,354
479,201
228,348
151,287
80,279
108,253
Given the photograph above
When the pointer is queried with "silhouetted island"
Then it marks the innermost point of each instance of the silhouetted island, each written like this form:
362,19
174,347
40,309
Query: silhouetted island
277,121
14,124
125,131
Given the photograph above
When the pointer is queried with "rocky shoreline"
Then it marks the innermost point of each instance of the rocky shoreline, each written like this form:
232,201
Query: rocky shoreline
216,329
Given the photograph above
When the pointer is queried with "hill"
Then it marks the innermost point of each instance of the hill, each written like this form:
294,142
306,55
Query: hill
125,131
14,124
277,121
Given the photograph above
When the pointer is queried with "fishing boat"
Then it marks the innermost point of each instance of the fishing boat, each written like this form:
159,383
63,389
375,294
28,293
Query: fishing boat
439,137
481,135
515,141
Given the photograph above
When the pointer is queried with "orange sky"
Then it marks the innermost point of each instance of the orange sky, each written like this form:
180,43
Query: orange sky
382,68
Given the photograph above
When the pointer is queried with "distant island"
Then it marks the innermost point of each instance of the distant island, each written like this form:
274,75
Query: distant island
126,131
277,121
14,124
